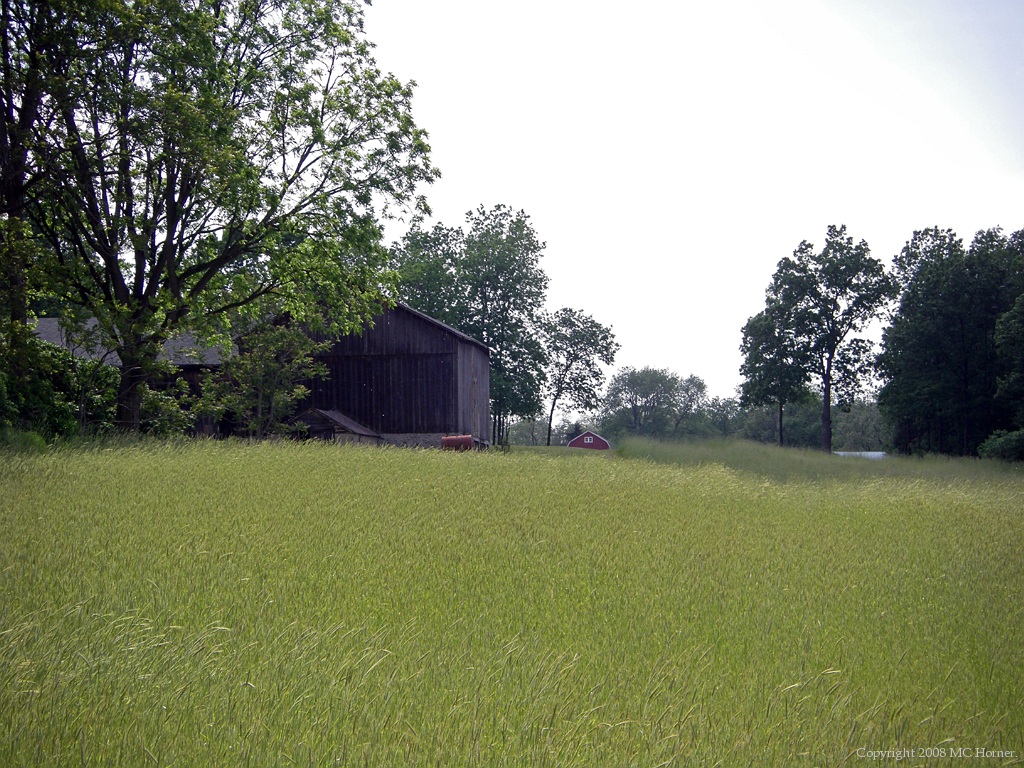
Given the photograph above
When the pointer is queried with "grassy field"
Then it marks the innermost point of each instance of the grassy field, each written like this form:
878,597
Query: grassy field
733,605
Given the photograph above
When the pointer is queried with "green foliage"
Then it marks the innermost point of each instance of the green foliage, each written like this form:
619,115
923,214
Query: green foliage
167,603
261,385
655,402
861,427
722,414
53,392
1009,340
432,272
43,42
640,401
941,356
1007,446
214,152
775,365
819,301
21,442
576,347
487,283
858,427
164,412
801,422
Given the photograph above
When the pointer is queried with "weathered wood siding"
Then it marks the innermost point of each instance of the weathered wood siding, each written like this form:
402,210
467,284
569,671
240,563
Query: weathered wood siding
407,374
474,384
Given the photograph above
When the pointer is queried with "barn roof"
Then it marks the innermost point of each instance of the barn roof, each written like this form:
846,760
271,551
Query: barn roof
181,350
338,419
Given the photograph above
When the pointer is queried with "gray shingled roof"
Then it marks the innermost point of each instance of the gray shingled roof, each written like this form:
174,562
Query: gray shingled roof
184,349
180,350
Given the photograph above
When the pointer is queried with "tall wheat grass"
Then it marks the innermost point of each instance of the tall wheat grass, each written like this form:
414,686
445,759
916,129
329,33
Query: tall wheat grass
279,604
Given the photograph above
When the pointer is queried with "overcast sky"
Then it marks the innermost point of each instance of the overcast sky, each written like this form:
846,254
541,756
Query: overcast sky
670,154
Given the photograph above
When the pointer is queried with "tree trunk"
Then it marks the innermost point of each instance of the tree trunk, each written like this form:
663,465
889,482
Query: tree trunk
138,358
781,441
129,396
551,418
826,412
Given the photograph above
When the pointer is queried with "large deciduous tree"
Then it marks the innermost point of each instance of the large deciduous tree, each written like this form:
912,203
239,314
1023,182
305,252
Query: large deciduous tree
42,41
823,299
218,151
576,347
487,283
774,368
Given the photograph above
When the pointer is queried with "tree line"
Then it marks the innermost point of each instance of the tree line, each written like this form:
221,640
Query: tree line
948,376
224,169
950,371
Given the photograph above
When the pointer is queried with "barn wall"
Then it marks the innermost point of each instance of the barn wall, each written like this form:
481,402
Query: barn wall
397,332
390,393
406,375
474,401
599,442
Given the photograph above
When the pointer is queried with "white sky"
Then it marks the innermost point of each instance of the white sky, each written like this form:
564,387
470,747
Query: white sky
670,154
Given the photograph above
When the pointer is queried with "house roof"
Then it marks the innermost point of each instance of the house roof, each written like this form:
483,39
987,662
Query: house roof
338,419
180,350
588,433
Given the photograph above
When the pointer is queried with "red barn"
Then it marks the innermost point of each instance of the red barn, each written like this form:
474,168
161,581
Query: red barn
589,440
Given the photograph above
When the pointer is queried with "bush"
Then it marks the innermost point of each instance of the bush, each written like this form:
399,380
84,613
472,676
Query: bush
163,413
8,412
54,393
23,442
1008,446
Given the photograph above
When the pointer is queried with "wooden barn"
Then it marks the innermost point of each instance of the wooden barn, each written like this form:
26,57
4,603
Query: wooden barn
589,440
410,379
407,380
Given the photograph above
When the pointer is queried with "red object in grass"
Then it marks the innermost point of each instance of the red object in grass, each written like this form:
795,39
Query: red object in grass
457,443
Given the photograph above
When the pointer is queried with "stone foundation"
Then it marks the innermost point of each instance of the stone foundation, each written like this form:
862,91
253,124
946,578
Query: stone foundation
417,439
414,439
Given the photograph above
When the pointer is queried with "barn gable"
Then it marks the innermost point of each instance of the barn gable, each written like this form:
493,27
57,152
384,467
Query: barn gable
409,377
590,440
